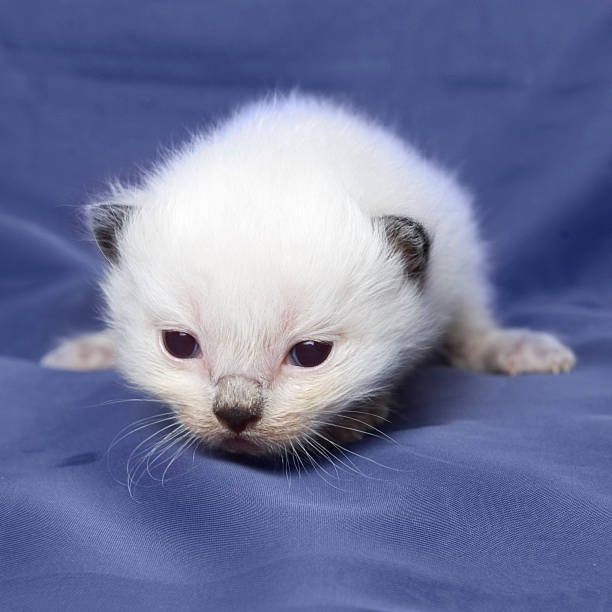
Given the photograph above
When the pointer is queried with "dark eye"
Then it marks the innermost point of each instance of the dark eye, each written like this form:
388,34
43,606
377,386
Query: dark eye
180,344
310,353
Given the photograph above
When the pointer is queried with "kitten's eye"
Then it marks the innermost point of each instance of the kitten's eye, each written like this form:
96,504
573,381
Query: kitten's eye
180,344
310,353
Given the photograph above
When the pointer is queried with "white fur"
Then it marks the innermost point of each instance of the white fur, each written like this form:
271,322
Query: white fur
259,234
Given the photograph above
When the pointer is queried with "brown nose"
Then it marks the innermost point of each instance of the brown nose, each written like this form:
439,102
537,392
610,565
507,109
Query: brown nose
236,418
238,403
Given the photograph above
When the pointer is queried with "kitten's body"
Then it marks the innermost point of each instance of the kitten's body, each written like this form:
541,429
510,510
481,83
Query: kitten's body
295,220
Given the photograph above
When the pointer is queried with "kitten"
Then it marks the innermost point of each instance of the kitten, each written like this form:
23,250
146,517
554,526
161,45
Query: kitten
276,275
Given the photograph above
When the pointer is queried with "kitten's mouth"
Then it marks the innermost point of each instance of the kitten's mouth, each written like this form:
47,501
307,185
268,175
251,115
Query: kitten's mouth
240,445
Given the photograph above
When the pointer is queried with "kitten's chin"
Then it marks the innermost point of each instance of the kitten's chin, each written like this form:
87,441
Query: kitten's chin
241,446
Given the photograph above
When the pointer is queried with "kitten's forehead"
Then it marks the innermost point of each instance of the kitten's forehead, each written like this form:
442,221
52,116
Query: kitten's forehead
284,246
258,296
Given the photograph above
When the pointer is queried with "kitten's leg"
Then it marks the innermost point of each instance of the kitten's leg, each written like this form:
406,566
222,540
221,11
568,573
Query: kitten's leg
475,342
88,352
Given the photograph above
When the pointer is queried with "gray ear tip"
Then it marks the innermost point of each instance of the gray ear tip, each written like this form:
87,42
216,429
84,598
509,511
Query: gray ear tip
106,221
410,239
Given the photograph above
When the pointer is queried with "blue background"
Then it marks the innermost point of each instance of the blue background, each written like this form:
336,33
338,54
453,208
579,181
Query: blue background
498,492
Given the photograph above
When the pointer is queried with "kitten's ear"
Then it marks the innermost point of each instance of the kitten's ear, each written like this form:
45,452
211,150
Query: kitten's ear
411,241
106,221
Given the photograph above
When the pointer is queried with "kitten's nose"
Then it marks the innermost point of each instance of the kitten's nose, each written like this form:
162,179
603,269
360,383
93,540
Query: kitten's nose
238,403
236,418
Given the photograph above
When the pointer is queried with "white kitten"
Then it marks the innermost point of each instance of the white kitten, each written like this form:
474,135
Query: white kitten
274,277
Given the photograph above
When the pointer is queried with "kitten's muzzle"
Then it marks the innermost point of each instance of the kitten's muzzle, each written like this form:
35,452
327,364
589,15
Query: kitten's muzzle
238,403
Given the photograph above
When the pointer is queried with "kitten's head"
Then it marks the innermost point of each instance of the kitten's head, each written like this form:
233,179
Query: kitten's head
260,324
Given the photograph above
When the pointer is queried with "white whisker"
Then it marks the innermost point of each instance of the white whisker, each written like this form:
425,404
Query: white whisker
360,455
323,453
153,421
328,455
177,454
382,433
351,411
164,446
347,428
133,453
352,467
112,402
315,464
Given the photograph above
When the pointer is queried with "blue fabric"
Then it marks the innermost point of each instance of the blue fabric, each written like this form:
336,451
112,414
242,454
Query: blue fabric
498,492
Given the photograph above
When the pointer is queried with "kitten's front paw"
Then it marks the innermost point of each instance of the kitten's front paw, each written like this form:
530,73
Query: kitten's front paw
522,351
87,352
516,351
